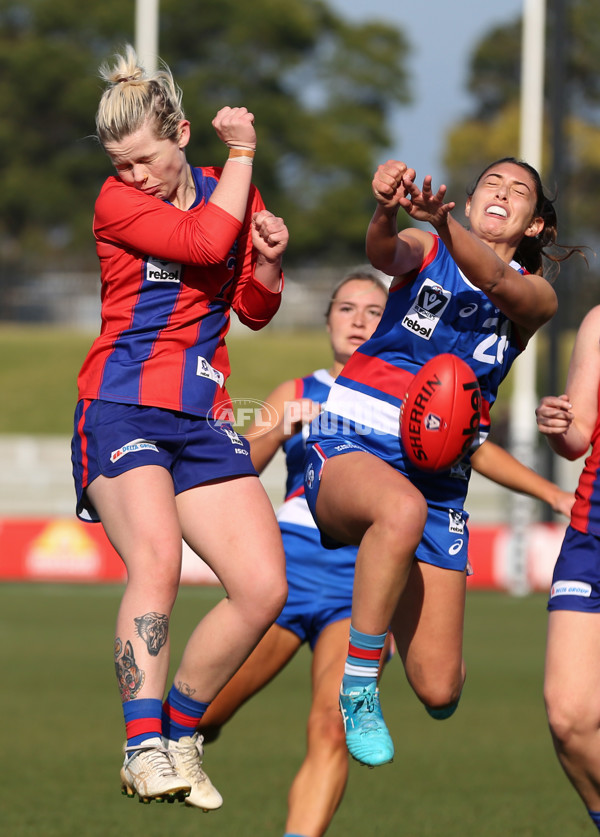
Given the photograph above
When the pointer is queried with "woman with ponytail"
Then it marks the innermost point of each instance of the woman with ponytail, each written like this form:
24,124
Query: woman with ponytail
155,459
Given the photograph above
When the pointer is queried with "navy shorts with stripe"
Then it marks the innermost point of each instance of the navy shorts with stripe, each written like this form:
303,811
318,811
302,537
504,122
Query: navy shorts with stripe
111,438
445,538
576,576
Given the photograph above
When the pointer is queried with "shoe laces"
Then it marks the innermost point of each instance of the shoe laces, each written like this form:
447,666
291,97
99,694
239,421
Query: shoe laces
366,703
157,758
192,759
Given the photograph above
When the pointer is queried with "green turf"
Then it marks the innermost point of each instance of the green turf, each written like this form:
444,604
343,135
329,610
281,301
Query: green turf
490,771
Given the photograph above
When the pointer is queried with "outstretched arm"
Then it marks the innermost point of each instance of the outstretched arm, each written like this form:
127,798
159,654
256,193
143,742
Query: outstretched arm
527,300
568,420
499,465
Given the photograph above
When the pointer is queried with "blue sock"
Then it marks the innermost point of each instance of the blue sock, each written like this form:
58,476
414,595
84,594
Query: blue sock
595,815
362,662
180,715
142,719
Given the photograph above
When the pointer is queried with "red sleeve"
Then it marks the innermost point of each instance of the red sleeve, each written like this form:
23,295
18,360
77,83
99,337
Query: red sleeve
126,217
254,304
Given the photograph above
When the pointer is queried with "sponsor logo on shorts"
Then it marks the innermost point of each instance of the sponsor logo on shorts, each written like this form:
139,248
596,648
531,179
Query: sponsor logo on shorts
456,547
571,588
159,271
456,523
425,313
133,447
347,446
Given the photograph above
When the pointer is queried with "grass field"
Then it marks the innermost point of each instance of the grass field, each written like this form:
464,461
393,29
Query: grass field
488,772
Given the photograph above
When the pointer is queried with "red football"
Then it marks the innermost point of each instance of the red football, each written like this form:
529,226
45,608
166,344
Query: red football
440,413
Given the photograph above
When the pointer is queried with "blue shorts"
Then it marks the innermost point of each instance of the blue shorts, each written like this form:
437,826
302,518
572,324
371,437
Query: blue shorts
111,438
576,577
320,583
445,540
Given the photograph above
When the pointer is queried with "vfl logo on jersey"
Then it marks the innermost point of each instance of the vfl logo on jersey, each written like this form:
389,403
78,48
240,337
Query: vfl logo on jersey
427,309
205,370
456,522
132,447
157,271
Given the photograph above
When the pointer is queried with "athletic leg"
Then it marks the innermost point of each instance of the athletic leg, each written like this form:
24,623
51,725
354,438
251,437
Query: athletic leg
139,516
231,525
571,689
428,629
363,500
324,772
270,656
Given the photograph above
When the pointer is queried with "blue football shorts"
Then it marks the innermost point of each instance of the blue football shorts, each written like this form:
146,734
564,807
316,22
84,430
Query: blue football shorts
111,438
445,540
320,583
576,576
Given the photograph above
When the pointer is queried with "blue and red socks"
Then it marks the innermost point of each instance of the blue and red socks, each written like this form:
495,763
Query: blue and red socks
143,720
180,715
362,662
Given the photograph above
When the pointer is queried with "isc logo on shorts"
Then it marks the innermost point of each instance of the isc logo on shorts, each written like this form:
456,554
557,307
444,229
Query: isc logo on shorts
427,309
571,588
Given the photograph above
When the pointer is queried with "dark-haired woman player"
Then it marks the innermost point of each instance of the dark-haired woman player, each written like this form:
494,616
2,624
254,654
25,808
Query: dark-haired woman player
478,293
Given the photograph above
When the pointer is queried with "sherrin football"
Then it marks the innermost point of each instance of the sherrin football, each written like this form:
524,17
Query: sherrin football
440,413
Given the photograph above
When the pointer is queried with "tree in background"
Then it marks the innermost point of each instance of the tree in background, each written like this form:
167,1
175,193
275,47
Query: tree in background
322,91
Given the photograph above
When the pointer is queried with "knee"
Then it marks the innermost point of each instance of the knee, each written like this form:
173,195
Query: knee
266,599
569,720
326,730
403,519
439,695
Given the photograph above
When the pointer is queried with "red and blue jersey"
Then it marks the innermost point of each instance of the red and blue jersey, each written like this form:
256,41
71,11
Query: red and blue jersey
169,281
585,514
438,311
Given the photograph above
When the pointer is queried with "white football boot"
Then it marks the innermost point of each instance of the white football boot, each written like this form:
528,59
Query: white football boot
187,759
148,770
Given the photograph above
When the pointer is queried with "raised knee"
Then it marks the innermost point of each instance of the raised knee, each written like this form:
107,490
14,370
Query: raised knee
440,698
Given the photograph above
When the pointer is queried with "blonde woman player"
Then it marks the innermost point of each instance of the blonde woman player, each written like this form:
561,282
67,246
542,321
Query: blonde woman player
179,247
